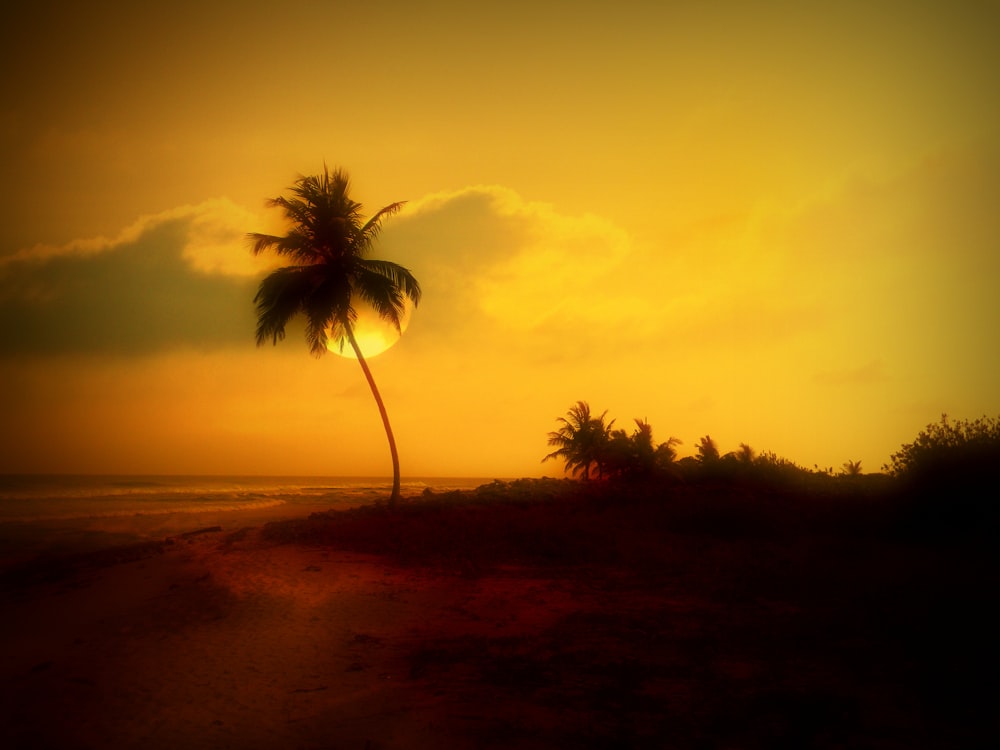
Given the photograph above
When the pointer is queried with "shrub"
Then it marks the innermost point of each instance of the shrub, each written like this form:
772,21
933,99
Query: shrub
949,448
947,472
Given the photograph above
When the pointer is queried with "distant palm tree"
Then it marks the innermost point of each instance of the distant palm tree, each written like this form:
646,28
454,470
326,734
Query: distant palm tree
638,455
329,245
582,440
666,453
708,451
644,451
851,469
745,454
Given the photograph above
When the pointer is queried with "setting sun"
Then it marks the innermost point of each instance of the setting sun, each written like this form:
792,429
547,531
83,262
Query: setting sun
373,334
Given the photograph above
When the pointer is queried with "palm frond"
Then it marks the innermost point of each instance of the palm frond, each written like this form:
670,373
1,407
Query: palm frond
581,439
382,295
372,228
280,297
328,307
295,245
400,276
328,239
322,197
297,211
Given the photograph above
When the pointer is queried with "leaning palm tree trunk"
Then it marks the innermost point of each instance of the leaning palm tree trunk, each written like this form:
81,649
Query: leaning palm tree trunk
394,497
329,245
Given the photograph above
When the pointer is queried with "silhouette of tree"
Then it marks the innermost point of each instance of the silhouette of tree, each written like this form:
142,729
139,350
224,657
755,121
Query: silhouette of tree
948,446
947,471
643,448
708,451
745,454
851,469
582,440
329,244
638,455
622,456
666,453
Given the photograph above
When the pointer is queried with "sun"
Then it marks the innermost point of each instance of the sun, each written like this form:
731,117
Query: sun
373,334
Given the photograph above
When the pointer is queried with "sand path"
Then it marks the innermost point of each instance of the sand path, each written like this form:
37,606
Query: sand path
223,642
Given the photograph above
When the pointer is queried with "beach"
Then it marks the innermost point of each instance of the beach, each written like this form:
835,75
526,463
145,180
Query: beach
216,638
369,629
209,643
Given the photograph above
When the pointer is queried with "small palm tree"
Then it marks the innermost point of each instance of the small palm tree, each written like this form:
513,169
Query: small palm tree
643,449
666,453
638,455
582,440
328,244
708,451
745,454
851,469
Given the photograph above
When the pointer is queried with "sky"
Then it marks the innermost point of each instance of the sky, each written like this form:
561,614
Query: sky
771,223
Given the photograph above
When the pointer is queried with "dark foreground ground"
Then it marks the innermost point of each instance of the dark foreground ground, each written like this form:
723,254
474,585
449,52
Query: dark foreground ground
529,615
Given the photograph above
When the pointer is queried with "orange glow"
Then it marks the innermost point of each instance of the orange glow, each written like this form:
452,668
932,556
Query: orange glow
775,225
373,334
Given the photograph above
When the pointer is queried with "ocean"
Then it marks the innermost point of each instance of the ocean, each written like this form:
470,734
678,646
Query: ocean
33,498
59,514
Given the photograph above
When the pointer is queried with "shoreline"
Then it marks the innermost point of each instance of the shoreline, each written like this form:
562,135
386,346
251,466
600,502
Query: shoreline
23,541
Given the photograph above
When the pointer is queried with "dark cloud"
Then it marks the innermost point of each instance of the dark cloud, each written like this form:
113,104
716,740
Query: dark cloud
136,297
499,272
451,244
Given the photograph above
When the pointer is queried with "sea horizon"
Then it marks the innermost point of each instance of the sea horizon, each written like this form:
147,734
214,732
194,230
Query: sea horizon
31,497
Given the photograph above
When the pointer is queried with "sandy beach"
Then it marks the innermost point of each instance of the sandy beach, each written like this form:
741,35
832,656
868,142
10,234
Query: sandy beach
244,635
209,640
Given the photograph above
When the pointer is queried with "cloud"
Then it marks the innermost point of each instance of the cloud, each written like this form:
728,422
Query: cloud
869,373
513,276
172,280
496,268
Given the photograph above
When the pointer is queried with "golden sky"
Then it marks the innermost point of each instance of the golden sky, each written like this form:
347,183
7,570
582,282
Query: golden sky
776,225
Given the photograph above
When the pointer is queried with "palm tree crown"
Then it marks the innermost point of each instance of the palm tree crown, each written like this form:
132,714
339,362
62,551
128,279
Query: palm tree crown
328,244
582,439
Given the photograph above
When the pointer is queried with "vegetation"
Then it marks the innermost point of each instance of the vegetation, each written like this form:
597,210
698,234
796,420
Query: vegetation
638,455
708,451
761,592
584,442
949,447
851,469
329,244
940,477
793,607
947,477
581,440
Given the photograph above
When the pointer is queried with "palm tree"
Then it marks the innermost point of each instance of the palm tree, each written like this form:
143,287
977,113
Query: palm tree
851,469
666,454
328,244
582,440
708,451
637,455
642,449
745,454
